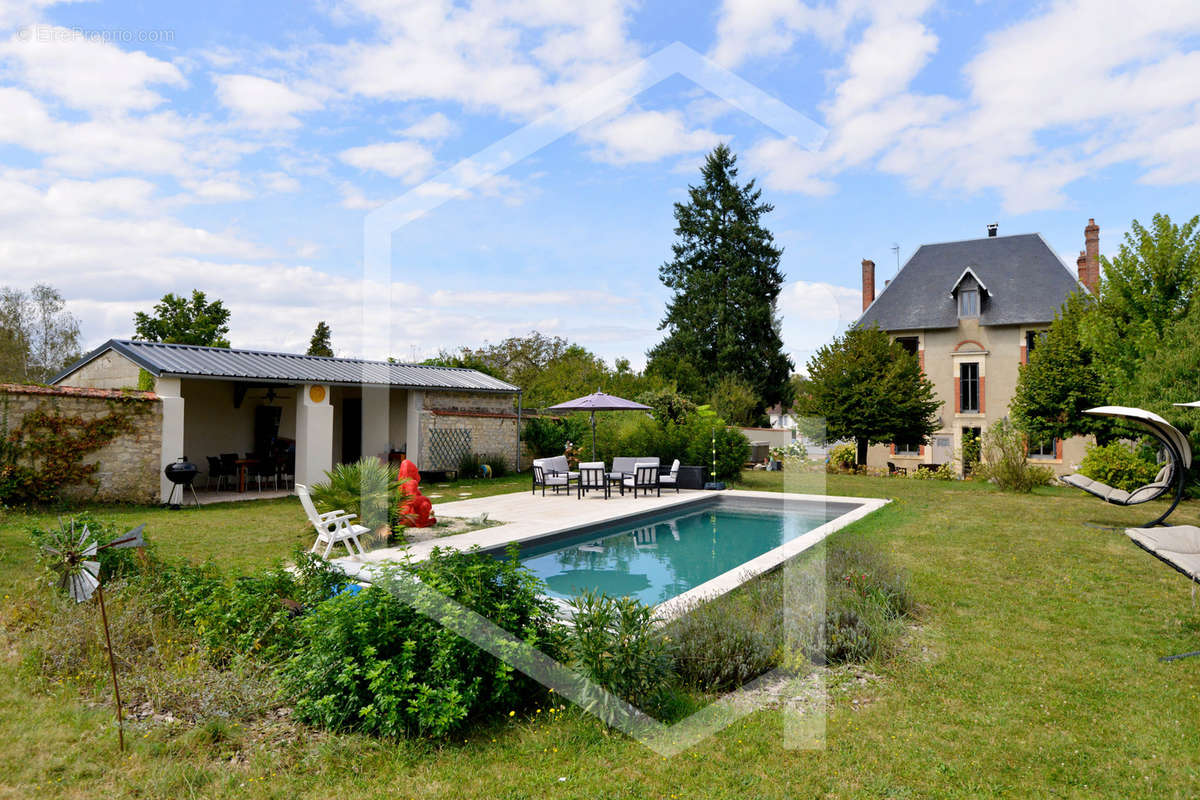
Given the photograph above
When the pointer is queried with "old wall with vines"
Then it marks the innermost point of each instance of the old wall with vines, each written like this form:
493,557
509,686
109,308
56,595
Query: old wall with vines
64,444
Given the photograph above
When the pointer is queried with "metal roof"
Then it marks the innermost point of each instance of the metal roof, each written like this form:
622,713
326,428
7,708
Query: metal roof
1026,283
185,360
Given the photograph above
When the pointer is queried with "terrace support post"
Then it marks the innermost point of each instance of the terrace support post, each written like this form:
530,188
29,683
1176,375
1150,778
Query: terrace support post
416,404
376,420
314,433
518,431
170,394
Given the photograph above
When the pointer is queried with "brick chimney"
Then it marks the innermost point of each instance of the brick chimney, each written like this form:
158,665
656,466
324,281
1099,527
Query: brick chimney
868,284
1085,274
1091,241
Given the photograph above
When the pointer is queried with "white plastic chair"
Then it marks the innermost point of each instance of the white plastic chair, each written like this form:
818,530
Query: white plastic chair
332,527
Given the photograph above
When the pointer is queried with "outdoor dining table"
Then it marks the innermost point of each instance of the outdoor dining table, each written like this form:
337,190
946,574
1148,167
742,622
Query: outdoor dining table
243,466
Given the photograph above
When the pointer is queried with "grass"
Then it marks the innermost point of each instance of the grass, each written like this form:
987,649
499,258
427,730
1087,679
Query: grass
1033,673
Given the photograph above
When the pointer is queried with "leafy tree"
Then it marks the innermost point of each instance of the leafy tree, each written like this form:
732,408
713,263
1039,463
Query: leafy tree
734,400
38,336
870,389
320,344
1170,373
179,320
549,369
726,280
1060,380
1147,288
668,405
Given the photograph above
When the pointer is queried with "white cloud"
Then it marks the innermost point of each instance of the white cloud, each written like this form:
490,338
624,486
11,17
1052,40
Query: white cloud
1038,114
262,104
435,127
511,56
88,74
813,313
406,160
647,136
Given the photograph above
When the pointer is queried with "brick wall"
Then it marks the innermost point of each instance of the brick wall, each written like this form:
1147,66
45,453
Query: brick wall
128,466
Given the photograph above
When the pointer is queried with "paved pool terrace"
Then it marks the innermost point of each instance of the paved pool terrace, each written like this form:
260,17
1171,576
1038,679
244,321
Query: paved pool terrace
528,518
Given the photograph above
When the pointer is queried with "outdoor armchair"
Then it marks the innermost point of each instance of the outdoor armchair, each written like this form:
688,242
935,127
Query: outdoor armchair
592,476
545,474
332,527
644,477
671,478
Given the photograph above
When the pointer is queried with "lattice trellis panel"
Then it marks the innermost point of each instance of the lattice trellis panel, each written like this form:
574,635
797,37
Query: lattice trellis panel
447,446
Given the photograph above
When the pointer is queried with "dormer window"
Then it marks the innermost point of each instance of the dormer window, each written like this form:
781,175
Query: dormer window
968,292
968,302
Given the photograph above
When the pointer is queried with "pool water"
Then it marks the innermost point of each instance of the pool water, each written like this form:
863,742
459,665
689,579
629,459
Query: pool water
660,557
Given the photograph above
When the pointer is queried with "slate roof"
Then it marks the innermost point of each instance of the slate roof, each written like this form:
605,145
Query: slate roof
1026,283
257,366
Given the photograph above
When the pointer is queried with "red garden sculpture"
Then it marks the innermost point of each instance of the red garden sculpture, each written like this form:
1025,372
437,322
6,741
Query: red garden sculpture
416,511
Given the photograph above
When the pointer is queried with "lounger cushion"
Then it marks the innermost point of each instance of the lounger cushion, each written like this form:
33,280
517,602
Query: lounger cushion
1178,545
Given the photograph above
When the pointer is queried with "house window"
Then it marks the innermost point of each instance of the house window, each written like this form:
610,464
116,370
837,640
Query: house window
908,449
909,343
968,302
968,387
1046,449
1031,340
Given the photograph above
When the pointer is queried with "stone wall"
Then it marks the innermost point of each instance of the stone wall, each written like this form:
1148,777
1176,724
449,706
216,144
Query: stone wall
127,466
491,418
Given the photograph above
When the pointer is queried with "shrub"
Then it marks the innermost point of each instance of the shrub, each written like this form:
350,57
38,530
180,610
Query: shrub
469,464
549,437
613,641
944,472
368,488
722,644
734,400
732,448
1118,464
727,641
843,456
373,663
866,602
1005,460
972,450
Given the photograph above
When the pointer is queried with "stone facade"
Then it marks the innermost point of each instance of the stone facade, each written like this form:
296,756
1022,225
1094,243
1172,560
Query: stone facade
490,418
127,466
999,351
109,370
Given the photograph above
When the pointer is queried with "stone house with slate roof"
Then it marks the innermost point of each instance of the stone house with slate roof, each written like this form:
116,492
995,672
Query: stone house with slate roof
972,311
331,410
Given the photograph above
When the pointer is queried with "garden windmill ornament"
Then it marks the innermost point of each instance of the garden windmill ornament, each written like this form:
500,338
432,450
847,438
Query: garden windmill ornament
76,562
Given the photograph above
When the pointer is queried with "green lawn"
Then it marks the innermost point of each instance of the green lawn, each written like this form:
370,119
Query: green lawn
1033,672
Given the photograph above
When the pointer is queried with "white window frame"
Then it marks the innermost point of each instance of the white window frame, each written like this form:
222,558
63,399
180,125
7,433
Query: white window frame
1042,456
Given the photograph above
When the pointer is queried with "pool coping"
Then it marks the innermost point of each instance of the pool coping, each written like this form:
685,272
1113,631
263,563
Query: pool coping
497,538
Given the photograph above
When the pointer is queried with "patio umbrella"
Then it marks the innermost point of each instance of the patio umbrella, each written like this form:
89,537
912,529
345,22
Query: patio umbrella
598,402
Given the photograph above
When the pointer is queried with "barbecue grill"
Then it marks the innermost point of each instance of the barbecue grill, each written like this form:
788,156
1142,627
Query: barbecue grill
181,474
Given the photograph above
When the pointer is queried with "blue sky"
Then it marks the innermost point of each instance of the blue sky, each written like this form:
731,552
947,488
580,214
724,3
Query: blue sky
238,148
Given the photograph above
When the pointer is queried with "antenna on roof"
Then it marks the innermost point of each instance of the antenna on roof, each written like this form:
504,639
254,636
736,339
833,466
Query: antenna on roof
896,250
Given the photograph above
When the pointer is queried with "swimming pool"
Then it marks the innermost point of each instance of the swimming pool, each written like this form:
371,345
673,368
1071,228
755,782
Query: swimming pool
703,547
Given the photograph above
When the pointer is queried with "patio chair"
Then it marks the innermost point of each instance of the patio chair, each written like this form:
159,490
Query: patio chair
543,477
592,475
623,466
671,478
265,468
644,477
332,527
217,471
